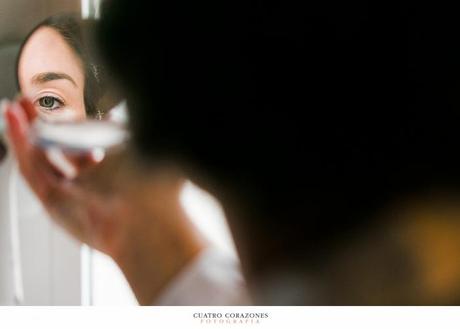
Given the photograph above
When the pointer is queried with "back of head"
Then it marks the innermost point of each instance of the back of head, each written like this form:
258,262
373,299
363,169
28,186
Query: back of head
312,117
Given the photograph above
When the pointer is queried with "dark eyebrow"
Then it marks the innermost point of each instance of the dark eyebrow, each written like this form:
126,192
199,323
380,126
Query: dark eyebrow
50,76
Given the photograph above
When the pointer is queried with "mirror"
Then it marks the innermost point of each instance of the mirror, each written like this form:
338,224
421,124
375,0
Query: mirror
58,71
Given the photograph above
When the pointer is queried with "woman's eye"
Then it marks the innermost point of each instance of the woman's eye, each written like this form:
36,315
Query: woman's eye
50,102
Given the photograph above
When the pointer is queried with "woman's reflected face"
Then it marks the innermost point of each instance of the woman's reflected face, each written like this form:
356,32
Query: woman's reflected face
52,76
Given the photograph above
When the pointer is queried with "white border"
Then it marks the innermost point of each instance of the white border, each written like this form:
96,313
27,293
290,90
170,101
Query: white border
185,317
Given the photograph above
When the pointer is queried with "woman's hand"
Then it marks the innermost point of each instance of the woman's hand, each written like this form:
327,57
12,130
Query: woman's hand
68,201
131,213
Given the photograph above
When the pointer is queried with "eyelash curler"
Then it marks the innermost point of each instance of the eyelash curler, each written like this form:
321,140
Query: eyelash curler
60,135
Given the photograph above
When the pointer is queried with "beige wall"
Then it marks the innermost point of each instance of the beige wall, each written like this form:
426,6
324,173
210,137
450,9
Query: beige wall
18,17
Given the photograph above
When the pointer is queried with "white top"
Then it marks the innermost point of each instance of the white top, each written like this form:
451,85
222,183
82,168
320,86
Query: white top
212,278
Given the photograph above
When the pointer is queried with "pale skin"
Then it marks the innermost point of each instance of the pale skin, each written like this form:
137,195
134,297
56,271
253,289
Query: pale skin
130,213
52,76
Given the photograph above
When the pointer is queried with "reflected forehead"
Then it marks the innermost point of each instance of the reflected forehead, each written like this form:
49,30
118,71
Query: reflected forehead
44,52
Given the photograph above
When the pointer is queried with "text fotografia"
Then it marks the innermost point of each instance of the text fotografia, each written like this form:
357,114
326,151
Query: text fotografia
230,318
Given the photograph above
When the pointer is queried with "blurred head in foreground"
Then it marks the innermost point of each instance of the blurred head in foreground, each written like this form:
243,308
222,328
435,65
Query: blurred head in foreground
329,133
